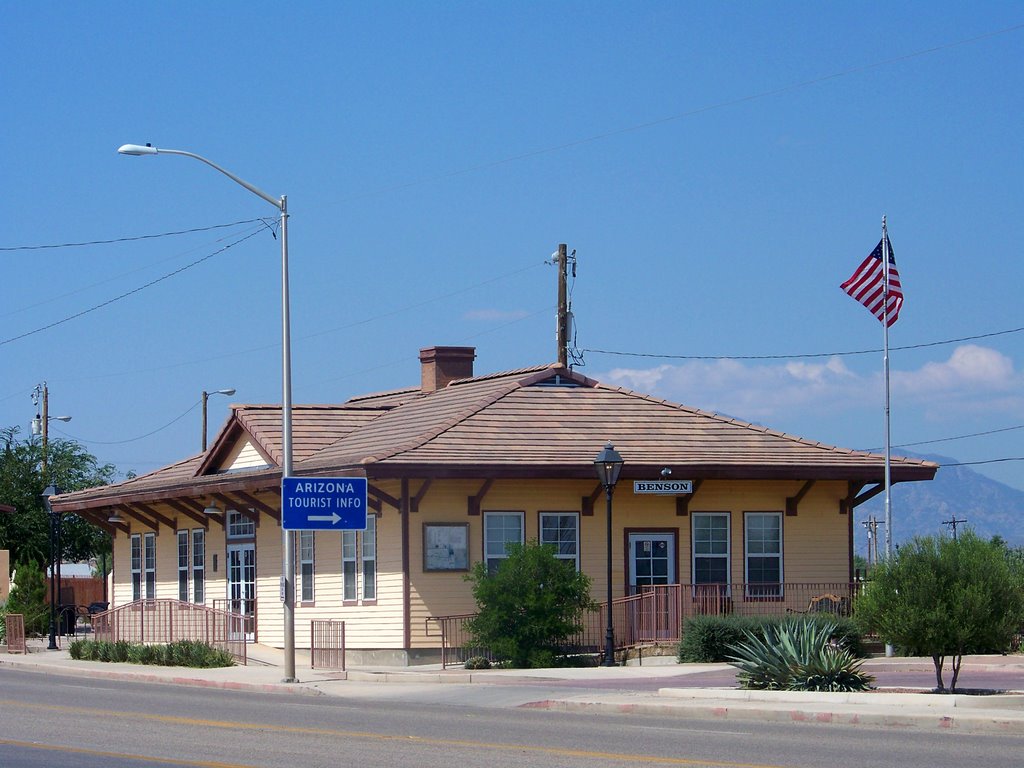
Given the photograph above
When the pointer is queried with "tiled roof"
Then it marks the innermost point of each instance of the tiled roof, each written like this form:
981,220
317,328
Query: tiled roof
543,421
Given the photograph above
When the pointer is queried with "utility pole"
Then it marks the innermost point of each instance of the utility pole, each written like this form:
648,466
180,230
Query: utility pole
952,523
871,524
562,332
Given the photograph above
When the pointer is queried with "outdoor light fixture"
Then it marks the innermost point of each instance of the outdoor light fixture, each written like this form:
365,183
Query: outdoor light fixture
287,539
608,465
116,518
213,509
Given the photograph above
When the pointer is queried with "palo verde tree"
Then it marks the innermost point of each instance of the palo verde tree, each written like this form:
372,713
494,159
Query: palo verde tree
942,597
71,468
529,606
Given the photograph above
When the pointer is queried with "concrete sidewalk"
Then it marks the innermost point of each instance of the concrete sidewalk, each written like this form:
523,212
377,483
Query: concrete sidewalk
660,686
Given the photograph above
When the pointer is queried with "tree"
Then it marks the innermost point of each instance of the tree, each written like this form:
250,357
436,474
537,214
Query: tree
943,597
28,597
530,606
71,468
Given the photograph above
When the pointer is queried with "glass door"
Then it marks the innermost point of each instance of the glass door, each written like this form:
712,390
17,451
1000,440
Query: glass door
242,586
652,567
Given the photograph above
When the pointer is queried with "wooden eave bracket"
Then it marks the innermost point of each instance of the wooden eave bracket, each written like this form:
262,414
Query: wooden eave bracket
261,506
381,496
140,515
414,502
587,502
794,501
683,502
239,507
170,522
188,512
473,502
862,496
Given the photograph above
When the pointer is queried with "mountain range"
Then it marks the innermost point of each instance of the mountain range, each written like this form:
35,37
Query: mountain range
957,492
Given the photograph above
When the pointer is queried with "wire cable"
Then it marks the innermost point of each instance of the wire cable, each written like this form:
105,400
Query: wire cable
132,439
125,239
804,355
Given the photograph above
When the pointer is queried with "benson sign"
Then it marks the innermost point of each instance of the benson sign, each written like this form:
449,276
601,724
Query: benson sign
663,487
323,503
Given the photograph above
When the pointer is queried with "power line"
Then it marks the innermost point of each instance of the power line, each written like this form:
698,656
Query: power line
133,439
126,239
987,461
126,294
957,437
805,355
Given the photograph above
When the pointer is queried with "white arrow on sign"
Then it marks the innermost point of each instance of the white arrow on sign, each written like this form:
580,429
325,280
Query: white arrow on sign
332,518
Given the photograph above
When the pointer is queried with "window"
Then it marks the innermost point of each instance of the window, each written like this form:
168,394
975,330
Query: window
370,559
711,548
306,545
239,526
500,530
359,563
150,564
348,564
136,566
183,564
562,530
199,566
763,555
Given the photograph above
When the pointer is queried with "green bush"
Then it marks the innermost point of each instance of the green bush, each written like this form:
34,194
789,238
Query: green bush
943,597
707,639
477,662
529,607
797,655
28,597
181,653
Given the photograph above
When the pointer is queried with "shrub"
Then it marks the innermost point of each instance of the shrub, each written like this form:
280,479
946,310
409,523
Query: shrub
28,597
943,597
797,656
477,662
181,653
707,639
529,607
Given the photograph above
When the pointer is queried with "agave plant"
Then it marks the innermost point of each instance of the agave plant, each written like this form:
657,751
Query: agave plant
797,656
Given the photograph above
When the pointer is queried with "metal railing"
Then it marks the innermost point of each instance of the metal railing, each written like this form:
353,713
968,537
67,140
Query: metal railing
246,608
656,614
161,621
327,644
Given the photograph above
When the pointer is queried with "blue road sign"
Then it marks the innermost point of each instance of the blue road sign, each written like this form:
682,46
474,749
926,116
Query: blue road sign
323,503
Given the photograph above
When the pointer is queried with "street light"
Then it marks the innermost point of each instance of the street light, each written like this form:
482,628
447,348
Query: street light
608,465
205,397
52,490
288,568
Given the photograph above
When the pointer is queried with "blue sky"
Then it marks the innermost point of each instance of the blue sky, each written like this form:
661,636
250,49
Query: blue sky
719,169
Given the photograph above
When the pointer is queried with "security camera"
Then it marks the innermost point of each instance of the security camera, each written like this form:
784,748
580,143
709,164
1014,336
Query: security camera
666,473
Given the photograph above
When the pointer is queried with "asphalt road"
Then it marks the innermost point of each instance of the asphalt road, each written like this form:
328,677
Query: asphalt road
48,720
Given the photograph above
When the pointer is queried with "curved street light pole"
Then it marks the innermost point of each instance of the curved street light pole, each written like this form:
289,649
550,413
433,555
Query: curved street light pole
287,559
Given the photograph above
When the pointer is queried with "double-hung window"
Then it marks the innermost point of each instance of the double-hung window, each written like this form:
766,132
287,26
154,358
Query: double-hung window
149,562
136,558
198,566
500,530
306,574
763,555
359,563
183,566
562,531
711,548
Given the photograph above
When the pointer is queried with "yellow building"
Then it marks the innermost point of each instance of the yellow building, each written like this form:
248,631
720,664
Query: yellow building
710,514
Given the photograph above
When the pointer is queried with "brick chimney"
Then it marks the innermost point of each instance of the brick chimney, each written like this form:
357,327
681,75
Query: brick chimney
441,365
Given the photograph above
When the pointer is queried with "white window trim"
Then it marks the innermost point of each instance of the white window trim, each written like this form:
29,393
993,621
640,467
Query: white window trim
149,565
184,571
198,562
135,563
522,534
747,554
728,548
575,557
301,561
368,558
353,559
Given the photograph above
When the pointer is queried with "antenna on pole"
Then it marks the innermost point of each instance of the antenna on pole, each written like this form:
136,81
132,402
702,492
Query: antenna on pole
562,327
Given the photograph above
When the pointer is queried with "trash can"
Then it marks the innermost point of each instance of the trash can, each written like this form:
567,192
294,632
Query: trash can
67,619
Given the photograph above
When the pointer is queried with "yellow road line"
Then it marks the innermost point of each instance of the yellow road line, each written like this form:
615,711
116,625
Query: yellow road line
239,726
120,755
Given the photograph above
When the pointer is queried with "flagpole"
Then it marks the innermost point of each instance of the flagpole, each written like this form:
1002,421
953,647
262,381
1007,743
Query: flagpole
889,649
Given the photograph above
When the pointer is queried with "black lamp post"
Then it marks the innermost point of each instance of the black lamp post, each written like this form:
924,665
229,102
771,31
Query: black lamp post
608,465
52,490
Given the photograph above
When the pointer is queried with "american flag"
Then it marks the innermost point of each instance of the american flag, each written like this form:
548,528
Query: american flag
867,285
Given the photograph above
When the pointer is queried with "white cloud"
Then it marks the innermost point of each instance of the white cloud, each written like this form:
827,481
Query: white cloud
973,378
